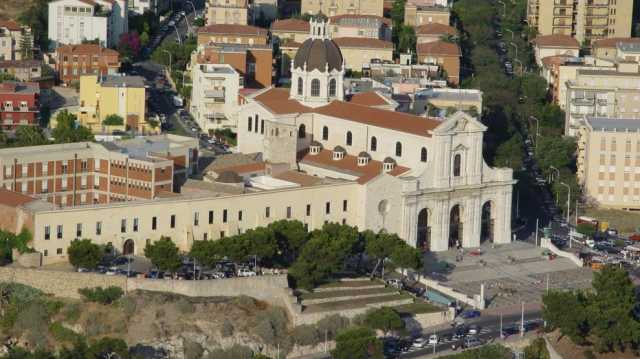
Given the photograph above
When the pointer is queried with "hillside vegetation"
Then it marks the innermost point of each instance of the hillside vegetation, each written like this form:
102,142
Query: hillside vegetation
10,9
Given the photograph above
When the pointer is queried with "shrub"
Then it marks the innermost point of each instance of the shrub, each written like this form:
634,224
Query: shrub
33,318
185,306
332,325
113,120
160,313
306,335
272,325
588,354
102,295
227,329
537,349
62,334
192,350
244,302
71,312
106,347
128,305
234,352
95,326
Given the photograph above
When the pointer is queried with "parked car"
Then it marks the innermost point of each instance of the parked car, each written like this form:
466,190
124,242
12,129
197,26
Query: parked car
419,343
473,329
396,283
468,314
471,342
433,339
245,272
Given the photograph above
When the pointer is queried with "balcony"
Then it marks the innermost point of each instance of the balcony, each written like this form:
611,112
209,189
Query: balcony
218,96
581,101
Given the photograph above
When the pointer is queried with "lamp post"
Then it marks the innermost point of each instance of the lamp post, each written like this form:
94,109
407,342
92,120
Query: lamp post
189,30
193,6
504,8
515,46
568,199
178,34
510,32
521,66
169,59
557,171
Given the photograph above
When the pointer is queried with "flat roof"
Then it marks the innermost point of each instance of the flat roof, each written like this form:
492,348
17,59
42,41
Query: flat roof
451,94
123,81
614,124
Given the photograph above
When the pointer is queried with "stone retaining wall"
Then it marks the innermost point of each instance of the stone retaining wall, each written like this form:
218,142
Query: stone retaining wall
345,297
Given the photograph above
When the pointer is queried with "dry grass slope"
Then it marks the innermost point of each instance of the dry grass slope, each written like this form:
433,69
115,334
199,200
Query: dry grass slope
10,9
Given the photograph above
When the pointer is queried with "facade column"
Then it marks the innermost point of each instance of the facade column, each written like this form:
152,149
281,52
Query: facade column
439,222
502,225
472,223
409,221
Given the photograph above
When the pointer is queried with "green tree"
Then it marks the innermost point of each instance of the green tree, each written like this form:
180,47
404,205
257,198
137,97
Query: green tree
7,77
291,237
113,120
357,343
406,39
405,256
30,136
510,153
566,311
385,319
36,17
163,254
611,310
554,151
144,39
587,229
84,254
67,130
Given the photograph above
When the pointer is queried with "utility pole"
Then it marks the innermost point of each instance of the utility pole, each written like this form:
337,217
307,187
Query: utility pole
537,221
547,282
568,200
517,204
501,333
522,321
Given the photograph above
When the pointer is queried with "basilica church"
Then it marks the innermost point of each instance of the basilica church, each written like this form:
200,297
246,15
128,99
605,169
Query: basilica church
422,178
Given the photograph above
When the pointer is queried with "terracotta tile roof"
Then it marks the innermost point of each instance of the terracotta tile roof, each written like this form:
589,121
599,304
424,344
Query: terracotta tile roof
232,29
86,49
290,25
88,2
435,29
20,63
557,41
10,24
245,168
613,41
438,48
278,102
555,60
349,165
369,98
13,199
337,18
363,42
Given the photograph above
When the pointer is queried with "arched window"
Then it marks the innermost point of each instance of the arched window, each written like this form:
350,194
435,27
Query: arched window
302,131
256,124
315,87
300,85
423,155
332,87
374,144
261,126
398,149
457,159
325,133
349,138
249,123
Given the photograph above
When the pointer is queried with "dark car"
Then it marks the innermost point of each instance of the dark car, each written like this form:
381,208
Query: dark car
468,314
121,261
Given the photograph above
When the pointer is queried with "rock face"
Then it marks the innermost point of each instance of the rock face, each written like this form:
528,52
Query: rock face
182,346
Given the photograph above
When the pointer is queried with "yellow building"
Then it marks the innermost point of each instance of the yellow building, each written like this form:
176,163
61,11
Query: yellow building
124,96
586,20
341,7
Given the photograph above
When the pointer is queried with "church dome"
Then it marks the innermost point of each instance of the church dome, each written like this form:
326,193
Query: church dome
318,53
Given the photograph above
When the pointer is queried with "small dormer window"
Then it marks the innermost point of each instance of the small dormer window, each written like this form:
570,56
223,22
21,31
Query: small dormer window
363,159
315,148
388,164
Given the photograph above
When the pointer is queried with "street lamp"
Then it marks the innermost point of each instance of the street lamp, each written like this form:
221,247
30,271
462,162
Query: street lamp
169,59
193,6
504,8
510,32
515,46
568,199
557,171
537,128
180,39
188,24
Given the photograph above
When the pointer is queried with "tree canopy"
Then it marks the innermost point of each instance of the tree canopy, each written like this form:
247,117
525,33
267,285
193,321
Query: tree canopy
67,130
84,254
163,254
357,343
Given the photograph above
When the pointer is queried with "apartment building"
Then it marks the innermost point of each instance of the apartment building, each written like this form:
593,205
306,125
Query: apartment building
254,63
13,37
73,61
124,96
586,20
235,12
155,6
91,173
433,32
342,7
358,52
364,26
440,100
214,96
23,70
554,45
73,21
422,12
19,104
609,161
232,34
608,48
290,30
446,55
602,93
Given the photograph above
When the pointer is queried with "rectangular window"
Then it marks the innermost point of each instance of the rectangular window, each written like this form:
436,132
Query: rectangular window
173,221
59,231
79,230
210,217
59,251
98,228
267,212
224,216
204,236
46,252
45,168
196,218
47,232
123,225
308,210
25,170
344,205
327,208
239,215
154,223
135,224
221,234
288,212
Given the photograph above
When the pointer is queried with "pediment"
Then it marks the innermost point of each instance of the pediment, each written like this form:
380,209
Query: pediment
460,122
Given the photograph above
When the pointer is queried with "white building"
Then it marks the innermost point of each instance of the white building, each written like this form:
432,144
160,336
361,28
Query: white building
74,21
154,6
214,96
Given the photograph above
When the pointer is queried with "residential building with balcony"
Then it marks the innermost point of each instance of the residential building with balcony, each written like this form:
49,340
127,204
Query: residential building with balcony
601,93
608,48
444,54
555,45
155,6
19,104
214,96
434,32
585,20
74,174
362,26
423,12
342,7
12,38
74,61
254,63
23,70
124,96
235,12
73,21
233,34
609,161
